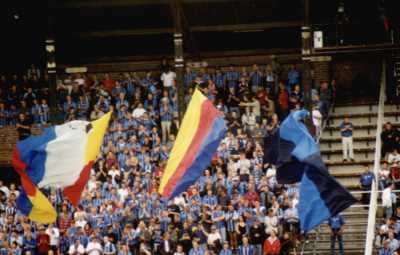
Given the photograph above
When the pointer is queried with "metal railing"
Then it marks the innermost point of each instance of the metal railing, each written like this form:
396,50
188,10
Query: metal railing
377,159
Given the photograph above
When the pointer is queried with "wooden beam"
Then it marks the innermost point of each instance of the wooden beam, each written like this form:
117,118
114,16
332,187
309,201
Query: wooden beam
247,27
224,58
217,28
128,32
72,4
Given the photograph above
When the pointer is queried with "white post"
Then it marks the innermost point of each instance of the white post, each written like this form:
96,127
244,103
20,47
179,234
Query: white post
373,205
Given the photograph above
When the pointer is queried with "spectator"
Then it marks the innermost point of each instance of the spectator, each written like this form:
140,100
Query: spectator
246,248
272,245
23,127
366,180
76,248
43,241
387,200
346,132
168,78
394,156
167,246
293,77
384,175
257,236
317,121
54,235
390,139
336,224
109,247
94,247
385,250
166,120
286,244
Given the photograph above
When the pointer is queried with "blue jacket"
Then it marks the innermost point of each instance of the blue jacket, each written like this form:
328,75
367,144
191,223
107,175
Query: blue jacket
242,250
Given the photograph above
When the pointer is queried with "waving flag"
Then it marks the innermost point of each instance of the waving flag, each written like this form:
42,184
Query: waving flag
297,157
203,127
61,157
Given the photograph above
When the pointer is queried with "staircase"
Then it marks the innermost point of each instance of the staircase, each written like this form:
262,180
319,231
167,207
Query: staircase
364,118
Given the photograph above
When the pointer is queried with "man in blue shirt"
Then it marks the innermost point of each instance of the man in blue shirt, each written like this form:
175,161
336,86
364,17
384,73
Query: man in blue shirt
366,180
226,250
346,132
336,224
385,250
246,248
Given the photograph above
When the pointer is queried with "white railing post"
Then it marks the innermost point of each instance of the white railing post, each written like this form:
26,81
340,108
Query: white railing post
373,205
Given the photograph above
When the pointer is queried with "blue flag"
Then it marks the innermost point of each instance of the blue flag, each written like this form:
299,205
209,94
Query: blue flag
297,157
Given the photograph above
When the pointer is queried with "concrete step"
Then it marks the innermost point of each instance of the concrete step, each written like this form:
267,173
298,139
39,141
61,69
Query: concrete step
356,149
365,120
365,108
334,133
337,145
345,109
347,168
358,156
349,181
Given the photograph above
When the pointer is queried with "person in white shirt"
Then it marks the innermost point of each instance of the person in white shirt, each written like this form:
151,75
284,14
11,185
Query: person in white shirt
244,167
384,174
254,104
179,250
76,248
271,222
387,200
168,78
249,119
94,247
54,235
139,111
213,238
317,121
123,192
394,156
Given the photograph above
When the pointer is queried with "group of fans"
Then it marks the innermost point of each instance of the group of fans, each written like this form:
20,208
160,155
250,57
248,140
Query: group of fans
387,239
236,207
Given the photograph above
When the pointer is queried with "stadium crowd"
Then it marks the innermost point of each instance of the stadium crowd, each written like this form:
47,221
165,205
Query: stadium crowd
236,207
387,239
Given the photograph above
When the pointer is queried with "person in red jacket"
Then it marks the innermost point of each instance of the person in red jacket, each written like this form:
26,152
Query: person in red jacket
283,101
43,241
272,245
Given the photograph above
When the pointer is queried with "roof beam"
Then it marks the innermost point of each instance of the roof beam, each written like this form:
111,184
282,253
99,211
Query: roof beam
218,28
71,4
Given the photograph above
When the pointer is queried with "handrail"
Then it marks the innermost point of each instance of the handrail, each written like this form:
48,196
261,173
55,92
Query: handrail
378,144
